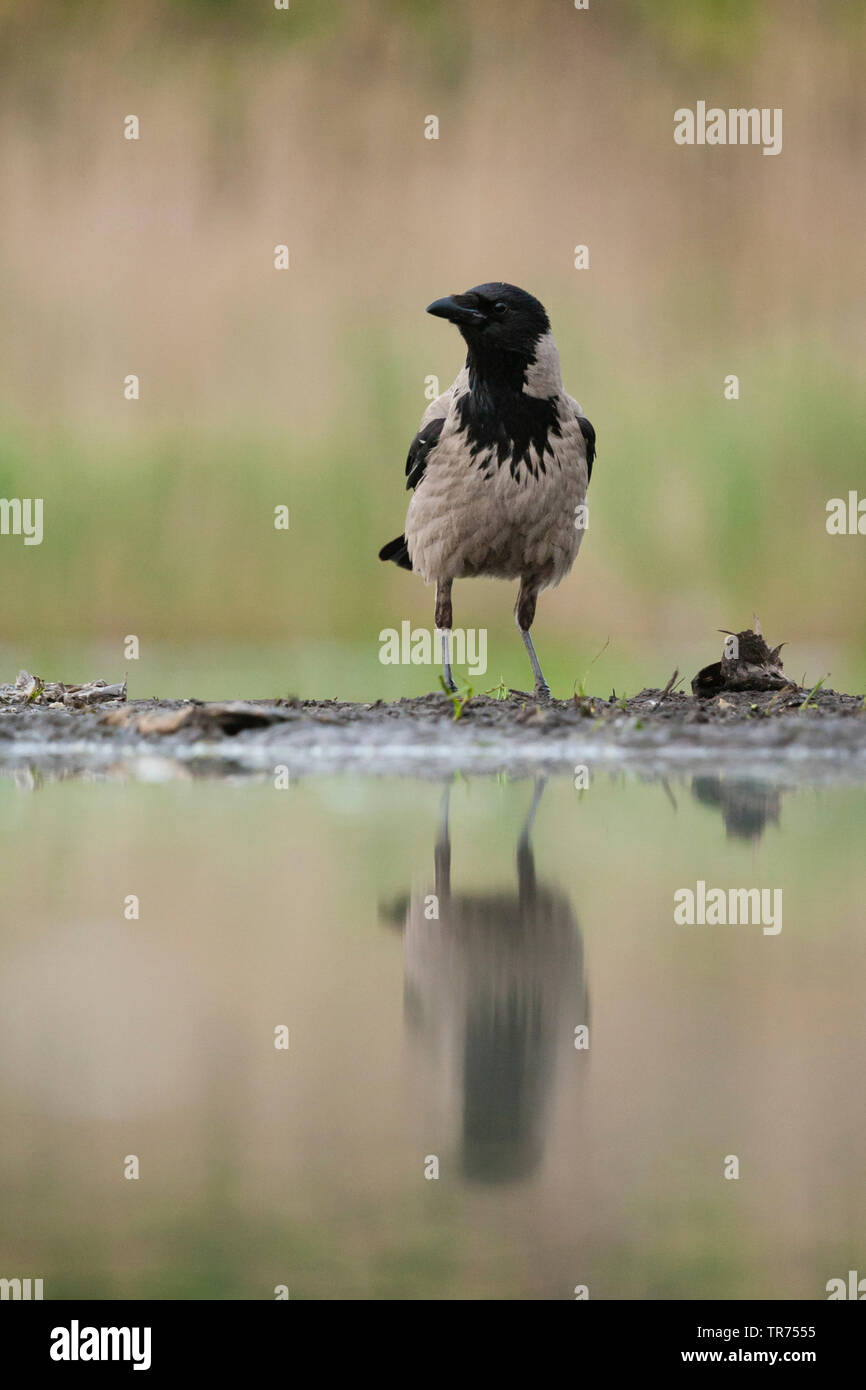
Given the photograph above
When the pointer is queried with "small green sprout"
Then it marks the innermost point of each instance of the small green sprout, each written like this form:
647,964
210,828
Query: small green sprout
810,702
498,692
459,699
580,686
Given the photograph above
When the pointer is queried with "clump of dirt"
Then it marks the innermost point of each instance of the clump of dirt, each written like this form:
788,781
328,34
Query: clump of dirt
195,717
33,690
747,664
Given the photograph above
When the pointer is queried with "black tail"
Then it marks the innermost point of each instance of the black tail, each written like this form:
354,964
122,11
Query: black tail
398,551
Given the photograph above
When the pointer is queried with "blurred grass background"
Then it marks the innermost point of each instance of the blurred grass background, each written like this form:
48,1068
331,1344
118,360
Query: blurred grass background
304,388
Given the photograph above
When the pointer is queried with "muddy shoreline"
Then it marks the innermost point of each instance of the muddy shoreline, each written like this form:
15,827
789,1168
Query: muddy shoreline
791,733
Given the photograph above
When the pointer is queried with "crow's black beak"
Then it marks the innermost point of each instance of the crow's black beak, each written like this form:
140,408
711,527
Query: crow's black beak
456,308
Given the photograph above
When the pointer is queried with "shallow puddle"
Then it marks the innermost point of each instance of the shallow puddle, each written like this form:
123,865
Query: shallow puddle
510,1070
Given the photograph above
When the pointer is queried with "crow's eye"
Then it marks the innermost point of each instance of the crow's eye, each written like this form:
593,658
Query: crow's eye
500,308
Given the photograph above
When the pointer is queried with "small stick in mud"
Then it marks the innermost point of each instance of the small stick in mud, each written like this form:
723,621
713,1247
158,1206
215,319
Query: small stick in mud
669,688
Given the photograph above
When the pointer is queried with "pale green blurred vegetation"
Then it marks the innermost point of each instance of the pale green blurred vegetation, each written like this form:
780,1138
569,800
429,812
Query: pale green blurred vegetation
304,387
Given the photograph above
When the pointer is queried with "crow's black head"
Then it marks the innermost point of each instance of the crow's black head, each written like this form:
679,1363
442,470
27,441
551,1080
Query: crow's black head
495,318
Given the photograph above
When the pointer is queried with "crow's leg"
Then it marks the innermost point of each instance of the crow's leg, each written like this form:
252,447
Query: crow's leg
443,627
524,612
542,689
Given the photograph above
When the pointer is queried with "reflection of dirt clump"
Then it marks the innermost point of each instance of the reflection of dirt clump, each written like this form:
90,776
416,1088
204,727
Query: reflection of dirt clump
747,804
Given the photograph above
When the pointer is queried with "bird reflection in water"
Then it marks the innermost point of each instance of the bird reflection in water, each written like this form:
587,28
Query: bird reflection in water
494,993
746,804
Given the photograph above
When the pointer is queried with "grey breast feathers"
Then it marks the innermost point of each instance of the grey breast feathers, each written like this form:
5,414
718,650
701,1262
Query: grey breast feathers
476,511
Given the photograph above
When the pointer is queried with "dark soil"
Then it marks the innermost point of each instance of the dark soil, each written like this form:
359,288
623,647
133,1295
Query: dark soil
193,718
434,733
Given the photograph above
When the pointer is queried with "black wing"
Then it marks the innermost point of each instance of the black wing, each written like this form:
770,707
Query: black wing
419,451
398,551
588,432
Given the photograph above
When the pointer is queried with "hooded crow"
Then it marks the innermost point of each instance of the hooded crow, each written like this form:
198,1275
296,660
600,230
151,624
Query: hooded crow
500,464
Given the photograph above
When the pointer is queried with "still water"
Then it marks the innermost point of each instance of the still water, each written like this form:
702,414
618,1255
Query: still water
484,981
